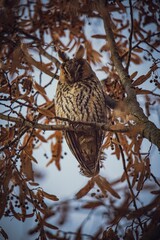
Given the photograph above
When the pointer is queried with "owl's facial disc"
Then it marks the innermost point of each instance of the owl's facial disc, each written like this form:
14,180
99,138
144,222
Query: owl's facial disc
72,70
75,70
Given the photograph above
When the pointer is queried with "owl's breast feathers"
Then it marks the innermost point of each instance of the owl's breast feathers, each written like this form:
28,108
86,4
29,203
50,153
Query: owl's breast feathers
82,100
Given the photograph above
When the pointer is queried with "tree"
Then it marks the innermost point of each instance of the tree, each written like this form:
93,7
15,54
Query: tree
126,39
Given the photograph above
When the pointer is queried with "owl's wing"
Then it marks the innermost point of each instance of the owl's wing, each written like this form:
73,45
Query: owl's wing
85,147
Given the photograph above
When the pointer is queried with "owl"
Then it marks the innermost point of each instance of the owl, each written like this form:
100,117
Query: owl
80,98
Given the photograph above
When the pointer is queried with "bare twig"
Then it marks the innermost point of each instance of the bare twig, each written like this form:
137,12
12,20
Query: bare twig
130,36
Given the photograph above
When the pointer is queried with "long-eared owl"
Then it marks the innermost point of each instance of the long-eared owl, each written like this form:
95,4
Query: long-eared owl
80,97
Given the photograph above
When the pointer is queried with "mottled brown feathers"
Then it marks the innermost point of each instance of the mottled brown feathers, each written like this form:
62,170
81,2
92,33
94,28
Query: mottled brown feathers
79,97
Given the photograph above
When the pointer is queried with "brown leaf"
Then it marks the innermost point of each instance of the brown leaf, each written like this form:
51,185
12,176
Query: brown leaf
104,185
50,226
7,134
30,156
156,192
40,195
34,184
4,89
39,88
96,57
56,149
129,165
50,161
92,205
133,75
135,58
26,165
39,136
143,78
49,196
83,191
119,35
18,216
140,80
141,180
39,65
46,112
99,36
142,91
148,166
8,176
134,180
121,6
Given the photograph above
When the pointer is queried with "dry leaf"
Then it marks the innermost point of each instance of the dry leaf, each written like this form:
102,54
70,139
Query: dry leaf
46,112
39,88
92,205
50,226
49,196
83,191
133,75
143,78
104,185
100,36
39,136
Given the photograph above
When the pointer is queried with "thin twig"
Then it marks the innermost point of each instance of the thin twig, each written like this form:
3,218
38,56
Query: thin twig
141,41
155,179
128,180
47,55
130,36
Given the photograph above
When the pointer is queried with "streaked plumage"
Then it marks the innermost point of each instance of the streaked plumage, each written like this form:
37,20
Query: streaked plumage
79,97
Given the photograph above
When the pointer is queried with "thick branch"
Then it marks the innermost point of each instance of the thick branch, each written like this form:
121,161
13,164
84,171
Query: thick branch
149,130
73,126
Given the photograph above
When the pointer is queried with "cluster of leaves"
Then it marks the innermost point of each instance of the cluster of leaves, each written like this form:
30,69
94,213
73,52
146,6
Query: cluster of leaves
31,33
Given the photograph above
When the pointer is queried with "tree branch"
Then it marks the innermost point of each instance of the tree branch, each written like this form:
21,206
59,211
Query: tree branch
47,55
148,130
73,126
130,36
142,41
37,64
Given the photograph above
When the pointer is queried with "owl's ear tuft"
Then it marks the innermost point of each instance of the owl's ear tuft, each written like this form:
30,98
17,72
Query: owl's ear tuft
80,52
63,56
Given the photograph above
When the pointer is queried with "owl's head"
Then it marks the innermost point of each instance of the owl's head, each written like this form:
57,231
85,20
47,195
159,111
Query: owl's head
76,69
